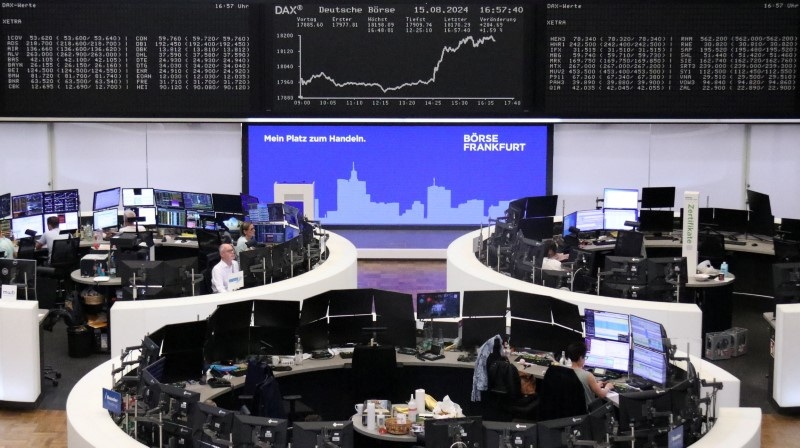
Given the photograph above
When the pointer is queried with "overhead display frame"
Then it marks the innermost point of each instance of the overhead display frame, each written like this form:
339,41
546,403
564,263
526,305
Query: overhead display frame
261,59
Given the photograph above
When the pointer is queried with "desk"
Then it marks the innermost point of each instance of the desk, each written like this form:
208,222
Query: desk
359,427
77,278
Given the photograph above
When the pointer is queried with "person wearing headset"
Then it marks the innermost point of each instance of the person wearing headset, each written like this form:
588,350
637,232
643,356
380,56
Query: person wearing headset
247,232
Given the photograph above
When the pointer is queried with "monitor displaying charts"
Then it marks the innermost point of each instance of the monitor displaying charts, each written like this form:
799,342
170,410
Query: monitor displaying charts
105,219
607,325
605,354
647,333
27,205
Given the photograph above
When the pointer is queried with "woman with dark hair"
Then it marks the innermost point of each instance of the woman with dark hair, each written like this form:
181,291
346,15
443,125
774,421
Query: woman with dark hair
576,352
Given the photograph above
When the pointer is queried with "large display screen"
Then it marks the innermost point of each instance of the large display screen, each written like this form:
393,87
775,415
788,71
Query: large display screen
402,175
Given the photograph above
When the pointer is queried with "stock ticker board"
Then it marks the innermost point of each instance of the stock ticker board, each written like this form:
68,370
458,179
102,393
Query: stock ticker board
530,59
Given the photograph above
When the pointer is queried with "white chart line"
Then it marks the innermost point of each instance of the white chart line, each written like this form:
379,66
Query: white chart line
445,50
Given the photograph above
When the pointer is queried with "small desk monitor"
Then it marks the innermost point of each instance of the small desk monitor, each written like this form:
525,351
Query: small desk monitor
503,435
438,305
658,197
323,434
607,325
227,203
20,225
646,333
607,354
104,199
657,221
136,197
614,219
620,198
105,219
66,220
539,206
27,205
5,206
168,198
590,220
61,201
650,365
252,431
450,431
170,217
198,201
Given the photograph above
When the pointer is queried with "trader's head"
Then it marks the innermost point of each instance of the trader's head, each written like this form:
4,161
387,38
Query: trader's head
549,248
248,230
226,253
130,216
576,352
52,222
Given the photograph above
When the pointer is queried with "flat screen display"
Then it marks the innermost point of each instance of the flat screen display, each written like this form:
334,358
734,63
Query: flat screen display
605,354
649,364
589,220
439,175
658,197
66,221
105,219
147,216
5,206
20,225
198,201
168,198
620,198
27,205
607,325
227,203
614,219
167,217
438,305
62,201
646,333
106,199
135,197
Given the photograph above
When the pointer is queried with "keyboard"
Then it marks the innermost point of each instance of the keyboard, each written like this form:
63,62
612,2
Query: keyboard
533,359
639,384
658,238
735,243
623,388
346,355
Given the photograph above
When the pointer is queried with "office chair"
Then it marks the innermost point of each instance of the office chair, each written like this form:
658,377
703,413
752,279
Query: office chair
503,400
501,246
261,394
710,247
561,394
63,260
374,373
26,248
629,244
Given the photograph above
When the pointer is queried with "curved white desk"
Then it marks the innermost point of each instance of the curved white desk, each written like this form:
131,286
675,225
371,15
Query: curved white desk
135,319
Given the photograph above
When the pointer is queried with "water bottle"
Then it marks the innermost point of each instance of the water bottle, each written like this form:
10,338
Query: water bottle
723,269
412,409
298,352
563,359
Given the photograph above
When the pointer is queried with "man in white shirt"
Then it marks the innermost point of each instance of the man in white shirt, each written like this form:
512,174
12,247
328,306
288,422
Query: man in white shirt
552,259
223,269
53,233
129,223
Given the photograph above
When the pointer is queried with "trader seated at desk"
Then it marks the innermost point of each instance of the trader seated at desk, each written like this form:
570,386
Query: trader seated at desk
552,259
129,222
224,269
576,352
248,232
53,233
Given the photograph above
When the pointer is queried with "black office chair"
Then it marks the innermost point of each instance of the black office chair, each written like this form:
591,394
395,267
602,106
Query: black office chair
261,394
711,247
54,278
560,394
374,373
629,244
26,248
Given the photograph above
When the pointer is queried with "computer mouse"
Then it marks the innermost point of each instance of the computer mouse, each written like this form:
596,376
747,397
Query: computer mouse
754,244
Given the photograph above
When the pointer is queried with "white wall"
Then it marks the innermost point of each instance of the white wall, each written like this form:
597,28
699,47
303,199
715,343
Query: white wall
202,157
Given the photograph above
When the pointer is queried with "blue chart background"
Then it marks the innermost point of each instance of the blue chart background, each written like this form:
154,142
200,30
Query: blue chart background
399,163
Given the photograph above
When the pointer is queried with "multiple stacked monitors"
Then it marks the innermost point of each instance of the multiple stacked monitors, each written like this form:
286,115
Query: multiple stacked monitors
438,305
137,197
104,199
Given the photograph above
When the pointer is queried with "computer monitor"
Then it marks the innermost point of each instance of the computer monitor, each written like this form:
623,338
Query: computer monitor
20,225
658,197
620,198
199,219
247,202
539,206
590,220
705,215
153,279
349,330
228,221
19,272
349,302
314,308
504,435
614,219
277,314
227,203
5,206
450,431
570,221
212,424
256,264
61,201
649,365
104,199
485,303
607,325
323,434
656,221
198,201
395,312
27,205
168,198
170,217
788,225
270,233
759,224
758,203
475,331
275,212
314,335
626,270
138,197
537,228
527,334
786,282
646,333
730,220
105,219
251,431
563,431
66,220
146,215
438,305
607,354
531,306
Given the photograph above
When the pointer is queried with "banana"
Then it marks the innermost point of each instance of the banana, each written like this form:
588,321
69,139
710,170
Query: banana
430,402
